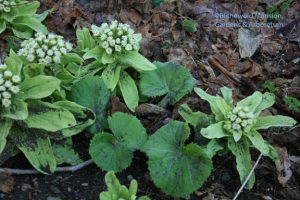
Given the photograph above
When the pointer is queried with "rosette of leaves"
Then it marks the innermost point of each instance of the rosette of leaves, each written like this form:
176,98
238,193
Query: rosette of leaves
177,168
116,191
31,122
20,17
114,151
239,124
169,79
115,47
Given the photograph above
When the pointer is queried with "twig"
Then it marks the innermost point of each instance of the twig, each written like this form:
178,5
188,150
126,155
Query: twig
58,169
248,177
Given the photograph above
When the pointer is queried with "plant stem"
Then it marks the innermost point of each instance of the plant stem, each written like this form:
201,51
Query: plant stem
58,169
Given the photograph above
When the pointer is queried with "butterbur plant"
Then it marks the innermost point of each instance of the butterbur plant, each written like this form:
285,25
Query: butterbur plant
239,124
29,121
20,17
115,47
116,191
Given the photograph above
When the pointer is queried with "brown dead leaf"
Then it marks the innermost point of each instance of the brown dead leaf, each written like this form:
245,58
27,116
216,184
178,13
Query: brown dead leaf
181,57
130,15
283,165
7,183
117,106
249,69
271,47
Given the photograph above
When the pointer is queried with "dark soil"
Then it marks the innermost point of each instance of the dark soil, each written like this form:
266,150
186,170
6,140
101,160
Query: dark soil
212,56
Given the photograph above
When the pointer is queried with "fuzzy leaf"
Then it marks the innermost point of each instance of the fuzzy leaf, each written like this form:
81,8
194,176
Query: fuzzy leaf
36,147
115,151
84,117
137,61
27,9
196,119
111,75
92,93
212,102
39,87
71,58
17,111
30,22
95,53
212,148
169,79
129,91
5,126
268,99
264,122
214,131
14,62
227,95
84,39
243,159
2,26
48,117
260,144
176,168
252,102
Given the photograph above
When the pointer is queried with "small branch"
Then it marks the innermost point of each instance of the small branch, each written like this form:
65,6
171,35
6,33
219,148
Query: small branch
248,177
58,169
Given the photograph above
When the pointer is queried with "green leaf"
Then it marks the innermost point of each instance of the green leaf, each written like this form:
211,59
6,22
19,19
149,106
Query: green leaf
17,111
36,148
70,58
212,102
64,152
214,131
237,135
176,168
169,79
260,144
95,53
227,95
48,117
252,102
31,22
115,151
212,148
111,75
108,155
9,151
22,31
196,119
107,58
223,106
116,191
189,26
129,91
84,117
14,62
84,39
292,102
243,159
91,92
2,26
27,9
5,126
268,99
264,122
137,61
38,87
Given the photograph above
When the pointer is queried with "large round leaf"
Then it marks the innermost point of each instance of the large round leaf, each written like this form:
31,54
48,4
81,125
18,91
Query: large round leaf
176,168
168,79
91,92
115,151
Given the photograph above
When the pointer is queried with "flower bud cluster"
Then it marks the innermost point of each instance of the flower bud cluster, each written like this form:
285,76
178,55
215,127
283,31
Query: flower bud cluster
45,49
116,37
9,85
240,119
7,5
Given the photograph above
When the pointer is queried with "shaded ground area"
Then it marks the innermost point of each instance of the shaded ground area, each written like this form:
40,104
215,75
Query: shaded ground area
213,57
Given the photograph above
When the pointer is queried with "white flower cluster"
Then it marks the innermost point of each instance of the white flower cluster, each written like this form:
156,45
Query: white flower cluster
239,119
8,85
116,37
7,5
45,49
